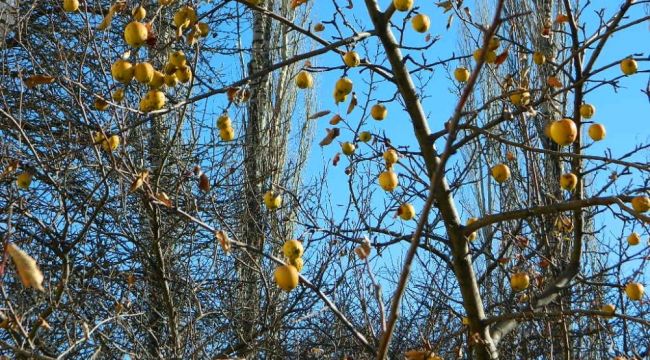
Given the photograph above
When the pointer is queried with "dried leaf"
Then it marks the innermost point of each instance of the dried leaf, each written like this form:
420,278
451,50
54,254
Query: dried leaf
561,18
224,240
335,119
450,20
552,81
331,135
139,181
318,114
353,103
204,182
501,58
106,22
468,13
164,199
13,166
336,159
27,268
446,5
35,80
296,3
44,324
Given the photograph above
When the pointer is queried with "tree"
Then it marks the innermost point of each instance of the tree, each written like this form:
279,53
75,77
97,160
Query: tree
480,225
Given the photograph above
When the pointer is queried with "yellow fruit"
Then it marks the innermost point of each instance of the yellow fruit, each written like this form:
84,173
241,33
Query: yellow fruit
292,249
165,2
227,134
378,112
185,17
156,98
494,43
184,73
139,13
520,97
204,29
388,180
70,5
461,74
298,263
348,148
272,201
519,281
122,71
177,58
634,291
111,144
490,57
597,132
101,104
351,59
343,86
641,203
406,212
118,95
224,122
610,309
539,58
135,34
158,80
420,23
286,277
145,104
563,132
629,66
568,181
304,80
143,72
474,235
634,239
465,320
501,173
391,157
587,111
171,80
24,180
365,136
403,5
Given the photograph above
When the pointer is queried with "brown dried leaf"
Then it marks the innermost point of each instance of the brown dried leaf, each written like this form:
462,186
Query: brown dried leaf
106,21
318,114
164,199
139,181
450,20
27,268
335,119
352,104
336,159
35,80
331,135
561,18
552,81
204,183
446,5
224,240
501,58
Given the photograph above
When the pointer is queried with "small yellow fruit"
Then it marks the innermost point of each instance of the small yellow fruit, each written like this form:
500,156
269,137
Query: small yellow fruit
563,132
158,80
391,157
24,180
403,5
365,136
304,80
641,204
139,13
610,309
204,29
351,59
629,66
171,80
343,86
292,249
143,72
494,43
520,97
227,134
272,201
101,104
145,104
118,95
539,58
634,239
474,235
184,73
70,5
406,212
185,17
597,132
177,58
490,57
378,112
348,148
519,281
135,34
634,291
224,122
461,74
298,263
122,71
420,23
388,180
286,276
111,144
156,98
587,111
501,173
568,181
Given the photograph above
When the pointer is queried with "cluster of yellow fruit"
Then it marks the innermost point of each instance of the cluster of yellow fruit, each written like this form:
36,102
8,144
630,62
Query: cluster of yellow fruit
272,200
388,179
342,89
491,54
108,143
419,22
226,131
564,132
286,276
